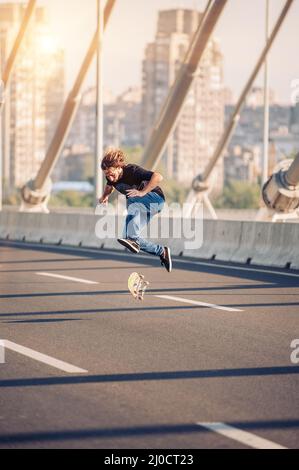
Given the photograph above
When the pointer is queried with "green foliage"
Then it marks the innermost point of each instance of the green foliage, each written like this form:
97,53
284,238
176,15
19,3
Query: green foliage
174,191
14,199
239,195
133,154
293,154
71,199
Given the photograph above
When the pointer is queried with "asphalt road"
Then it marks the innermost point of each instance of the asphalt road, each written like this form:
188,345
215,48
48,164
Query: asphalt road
210,343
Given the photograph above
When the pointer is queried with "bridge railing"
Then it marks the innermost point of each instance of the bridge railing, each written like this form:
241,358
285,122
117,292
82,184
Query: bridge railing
246,242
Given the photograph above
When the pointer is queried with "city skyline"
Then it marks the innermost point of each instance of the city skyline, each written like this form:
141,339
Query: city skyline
125,52
34,96
202,120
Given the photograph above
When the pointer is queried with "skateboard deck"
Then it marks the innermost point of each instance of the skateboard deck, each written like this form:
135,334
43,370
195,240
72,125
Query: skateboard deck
137,285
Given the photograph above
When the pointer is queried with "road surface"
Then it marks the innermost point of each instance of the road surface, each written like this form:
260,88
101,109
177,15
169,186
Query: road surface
203,362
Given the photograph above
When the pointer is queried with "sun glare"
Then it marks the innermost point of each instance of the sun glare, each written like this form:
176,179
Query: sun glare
48,44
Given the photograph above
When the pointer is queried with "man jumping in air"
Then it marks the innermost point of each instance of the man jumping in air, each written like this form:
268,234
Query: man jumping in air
144,200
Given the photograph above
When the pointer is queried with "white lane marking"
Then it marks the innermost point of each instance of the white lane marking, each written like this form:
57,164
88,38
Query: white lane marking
2,352
68,278
51,361
244,437
196,302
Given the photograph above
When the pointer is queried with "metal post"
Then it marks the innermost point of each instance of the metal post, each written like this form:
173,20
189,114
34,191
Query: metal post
98,177
170,112
236,115
281,192
7,75
265,167
34,193
17,44
292,175
1,144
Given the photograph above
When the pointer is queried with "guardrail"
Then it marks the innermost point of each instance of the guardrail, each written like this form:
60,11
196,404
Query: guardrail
259,243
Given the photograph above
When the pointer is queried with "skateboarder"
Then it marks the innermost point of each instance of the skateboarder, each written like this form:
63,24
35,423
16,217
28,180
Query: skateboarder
144,200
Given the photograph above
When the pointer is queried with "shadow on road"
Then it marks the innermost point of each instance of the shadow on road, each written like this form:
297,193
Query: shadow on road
48,320
118,432
214,267
149,376
123,310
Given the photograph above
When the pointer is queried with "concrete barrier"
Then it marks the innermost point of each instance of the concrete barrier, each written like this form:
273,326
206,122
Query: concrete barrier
30,227
71,235
287,245
221,239
4,228
259,243
14,226
253,238
166,232
268,244
207,248
81,230
227,239
117,225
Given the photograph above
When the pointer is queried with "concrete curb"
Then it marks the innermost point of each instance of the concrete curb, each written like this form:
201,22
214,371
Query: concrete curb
260,243
221,239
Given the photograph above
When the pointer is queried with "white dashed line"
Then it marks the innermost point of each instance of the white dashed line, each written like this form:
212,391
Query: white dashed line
196,302
167,297
67,278
244,437
43,358
2,352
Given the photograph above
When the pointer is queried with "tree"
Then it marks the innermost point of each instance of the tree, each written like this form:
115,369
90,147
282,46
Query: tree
239,195
71,199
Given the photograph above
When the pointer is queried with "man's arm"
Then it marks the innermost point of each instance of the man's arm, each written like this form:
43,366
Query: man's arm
153,183
107,191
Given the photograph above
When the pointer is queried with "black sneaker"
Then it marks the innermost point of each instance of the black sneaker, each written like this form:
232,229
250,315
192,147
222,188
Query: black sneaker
166,259
132,245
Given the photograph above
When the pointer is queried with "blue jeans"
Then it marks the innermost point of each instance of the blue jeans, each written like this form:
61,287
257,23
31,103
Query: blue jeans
140,212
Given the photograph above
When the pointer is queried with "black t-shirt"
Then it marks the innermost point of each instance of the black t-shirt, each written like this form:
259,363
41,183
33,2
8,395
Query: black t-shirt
134,177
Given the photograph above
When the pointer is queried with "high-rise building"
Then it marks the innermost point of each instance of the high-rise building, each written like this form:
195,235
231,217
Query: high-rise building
255,97
201,120
35,95
122,119
283,129
242,164
83,130
122,125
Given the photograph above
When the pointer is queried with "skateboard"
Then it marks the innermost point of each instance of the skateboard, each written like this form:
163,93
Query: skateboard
137,285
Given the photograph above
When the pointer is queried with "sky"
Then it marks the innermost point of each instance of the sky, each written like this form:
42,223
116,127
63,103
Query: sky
240,31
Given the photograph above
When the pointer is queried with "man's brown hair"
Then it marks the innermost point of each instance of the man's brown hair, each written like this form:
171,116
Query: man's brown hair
113,157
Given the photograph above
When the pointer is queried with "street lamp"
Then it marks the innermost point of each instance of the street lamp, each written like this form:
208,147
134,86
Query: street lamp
265,165
98,177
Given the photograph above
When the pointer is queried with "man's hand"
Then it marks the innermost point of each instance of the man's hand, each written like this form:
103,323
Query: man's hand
103,200
135,193
151,184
